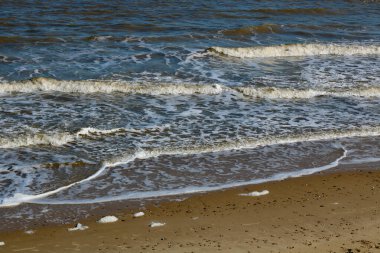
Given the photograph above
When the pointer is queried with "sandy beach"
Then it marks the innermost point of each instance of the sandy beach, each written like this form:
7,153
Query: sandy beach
330,212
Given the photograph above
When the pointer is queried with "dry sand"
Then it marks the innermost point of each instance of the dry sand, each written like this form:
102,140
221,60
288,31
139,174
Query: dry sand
336,212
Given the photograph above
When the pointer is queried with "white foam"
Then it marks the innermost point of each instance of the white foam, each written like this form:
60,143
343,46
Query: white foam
288,93
154,224
78,227
60,139
89,86
255,193
297,50
108,219
233,145
139,214
90,131
362,160
53,139
191,190
2,243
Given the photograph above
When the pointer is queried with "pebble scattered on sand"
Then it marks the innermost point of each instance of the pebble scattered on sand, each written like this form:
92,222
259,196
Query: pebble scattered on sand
255,194
2,243
78,227
108,219
139,214
154,224
29,232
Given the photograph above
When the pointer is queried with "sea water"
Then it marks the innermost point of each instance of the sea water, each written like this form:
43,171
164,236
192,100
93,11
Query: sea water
120,100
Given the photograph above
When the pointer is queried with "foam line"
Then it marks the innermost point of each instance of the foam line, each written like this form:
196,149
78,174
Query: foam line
60,139
233,145
288,93
90,87
42,84
296,50
53,139
191,190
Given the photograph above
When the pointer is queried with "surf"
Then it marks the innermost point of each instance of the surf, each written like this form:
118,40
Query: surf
247,143
296,50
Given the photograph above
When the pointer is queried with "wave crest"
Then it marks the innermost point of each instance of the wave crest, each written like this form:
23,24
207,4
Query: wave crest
60,139
295,50
54,139
288,93
88,86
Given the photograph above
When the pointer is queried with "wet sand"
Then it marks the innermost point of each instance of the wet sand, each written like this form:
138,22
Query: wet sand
330,212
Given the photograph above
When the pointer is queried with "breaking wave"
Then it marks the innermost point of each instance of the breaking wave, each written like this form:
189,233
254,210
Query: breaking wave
54,139
90,87
289,93
231,145
60,139
296,50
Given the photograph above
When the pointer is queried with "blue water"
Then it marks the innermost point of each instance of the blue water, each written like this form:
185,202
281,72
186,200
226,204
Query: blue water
125,99
152,40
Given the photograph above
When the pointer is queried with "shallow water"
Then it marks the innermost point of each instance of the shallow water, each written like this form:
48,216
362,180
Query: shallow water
114,101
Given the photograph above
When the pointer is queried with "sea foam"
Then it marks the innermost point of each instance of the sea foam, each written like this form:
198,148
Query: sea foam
154,224
291,93
296,50
173,89
60,139
229,145
42,84
108,219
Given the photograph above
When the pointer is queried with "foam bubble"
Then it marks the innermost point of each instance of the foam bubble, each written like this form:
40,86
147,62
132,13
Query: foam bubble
78,227
296,50
139,214
108,219
255,193
154,224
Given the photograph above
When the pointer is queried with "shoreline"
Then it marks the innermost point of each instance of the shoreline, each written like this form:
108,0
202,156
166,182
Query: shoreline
333,211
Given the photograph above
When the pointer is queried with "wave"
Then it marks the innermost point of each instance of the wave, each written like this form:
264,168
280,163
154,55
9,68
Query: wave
288,93
60,139
248,143
187,190
54,139
259,29
89,87
294,50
